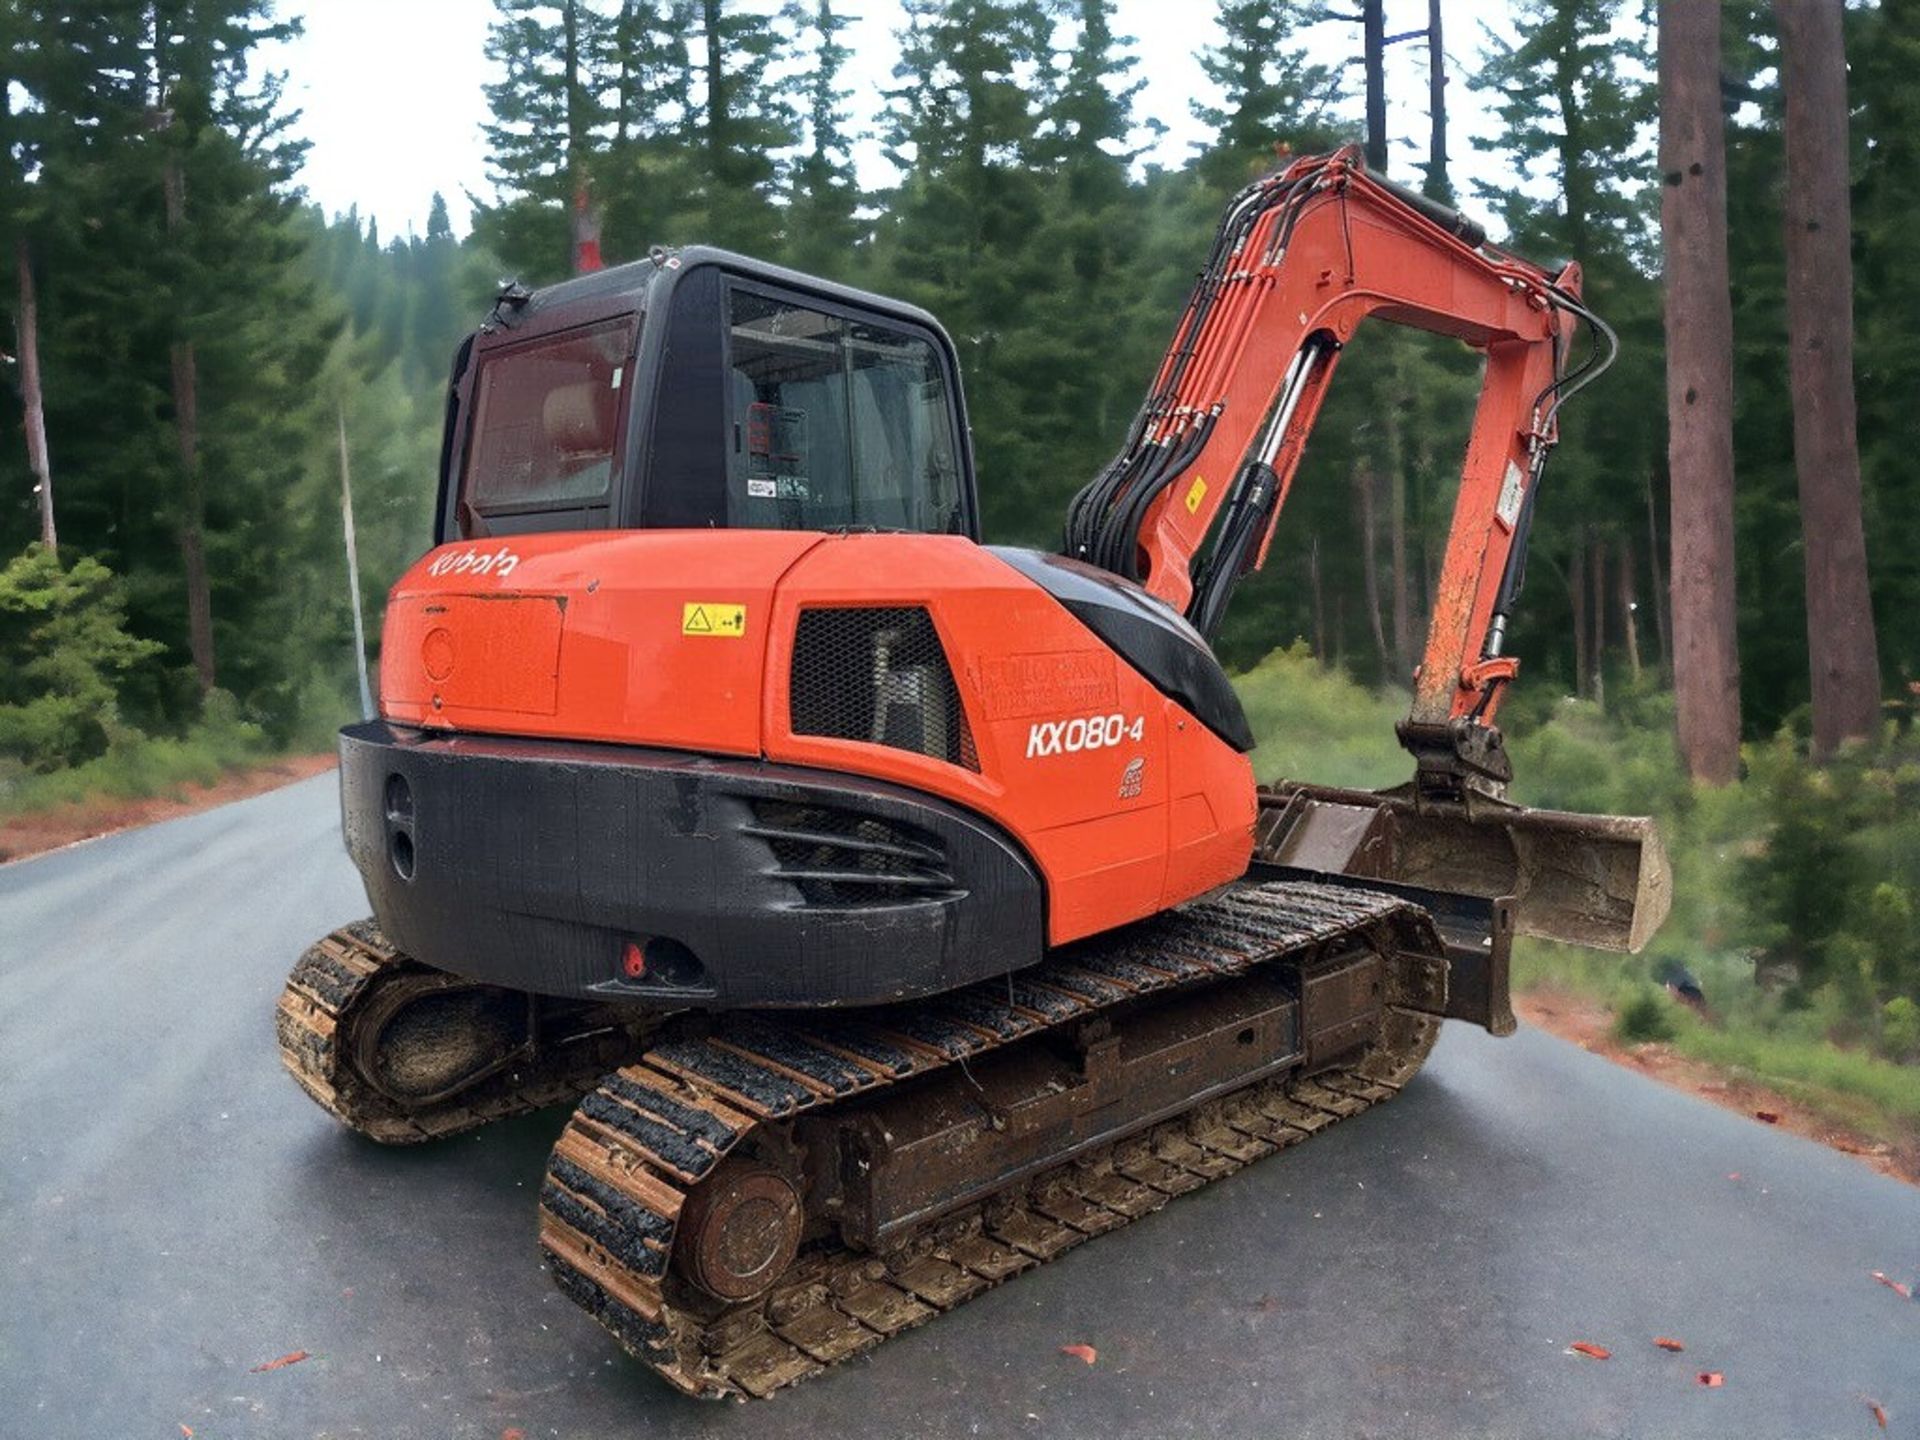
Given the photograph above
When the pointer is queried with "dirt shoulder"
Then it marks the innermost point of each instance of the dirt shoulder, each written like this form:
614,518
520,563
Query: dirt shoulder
1589,1025
44,830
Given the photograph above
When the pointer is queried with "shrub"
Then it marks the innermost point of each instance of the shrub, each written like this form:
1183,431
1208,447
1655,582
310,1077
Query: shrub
1832,882
64,647
1900,1029
1316,724
1645,1018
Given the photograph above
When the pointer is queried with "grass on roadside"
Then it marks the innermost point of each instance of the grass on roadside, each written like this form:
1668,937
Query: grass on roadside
136,766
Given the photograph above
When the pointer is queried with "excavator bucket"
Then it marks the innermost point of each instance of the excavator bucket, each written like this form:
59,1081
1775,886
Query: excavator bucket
1487,870
1601,881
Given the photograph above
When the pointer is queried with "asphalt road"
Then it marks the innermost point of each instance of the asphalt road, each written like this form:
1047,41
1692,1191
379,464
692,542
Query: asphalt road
174,1212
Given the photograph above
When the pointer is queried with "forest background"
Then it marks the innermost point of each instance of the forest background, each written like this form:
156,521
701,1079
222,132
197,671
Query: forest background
198,351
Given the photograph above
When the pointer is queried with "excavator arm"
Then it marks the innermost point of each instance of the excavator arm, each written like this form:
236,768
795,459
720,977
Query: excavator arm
1190,503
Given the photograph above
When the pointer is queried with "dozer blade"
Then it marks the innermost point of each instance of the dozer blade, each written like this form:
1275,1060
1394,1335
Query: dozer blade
1601,881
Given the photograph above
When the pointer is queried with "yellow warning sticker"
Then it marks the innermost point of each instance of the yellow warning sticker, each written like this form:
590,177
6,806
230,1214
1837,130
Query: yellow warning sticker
705,617
1196,492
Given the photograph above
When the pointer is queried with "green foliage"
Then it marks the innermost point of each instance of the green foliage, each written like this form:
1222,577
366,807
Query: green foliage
64,648
1793,866
821,228
1272,94
1835,878
168,240
1795,898
1316,724
1576,113
135,766
1885,1095
677,117
1646,1018
1900,1029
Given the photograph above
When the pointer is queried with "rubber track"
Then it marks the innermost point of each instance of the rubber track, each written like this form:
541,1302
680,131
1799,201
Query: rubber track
639,1144
332,984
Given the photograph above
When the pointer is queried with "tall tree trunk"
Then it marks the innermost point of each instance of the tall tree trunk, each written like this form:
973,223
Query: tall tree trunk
193,497
1373,20
1699,328
1363,488
1826,455
1662,629
1577,592
1629,608
1436,184
34,420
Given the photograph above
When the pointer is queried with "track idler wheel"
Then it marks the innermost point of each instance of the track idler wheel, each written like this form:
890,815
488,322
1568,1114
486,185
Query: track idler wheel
403,1053
425,1037
739,1231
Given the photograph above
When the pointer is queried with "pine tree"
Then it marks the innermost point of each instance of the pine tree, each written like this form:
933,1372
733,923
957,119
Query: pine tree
1573,114
548,123
63,76
182,330
1073,401
1884,55
958,232
743,121
821,229
650,169
1273,94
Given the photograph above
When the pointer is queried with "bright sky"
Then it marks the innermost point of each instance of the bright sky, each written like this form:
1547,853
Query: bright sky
392,102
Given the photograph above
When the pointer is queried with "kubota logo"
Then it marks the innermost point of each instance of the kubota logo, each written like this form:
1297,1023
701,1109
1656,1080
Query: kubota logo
475,562
1089,732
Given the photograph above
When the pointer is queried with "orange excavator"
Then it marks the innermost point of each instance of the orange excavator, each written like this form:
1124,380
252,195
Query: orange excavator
901,911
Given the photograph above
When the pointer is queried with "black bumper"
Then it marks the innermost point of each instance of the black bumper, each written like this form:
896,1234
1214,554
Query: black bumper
533,864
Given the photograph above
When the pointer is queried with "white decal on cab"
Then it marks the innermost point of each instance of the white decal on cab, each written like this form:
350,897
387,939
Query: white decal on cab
501,562
1083,732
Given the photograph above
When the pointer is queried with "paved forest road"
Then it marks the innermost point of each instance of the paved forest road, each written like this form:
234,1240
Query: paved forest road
175,1212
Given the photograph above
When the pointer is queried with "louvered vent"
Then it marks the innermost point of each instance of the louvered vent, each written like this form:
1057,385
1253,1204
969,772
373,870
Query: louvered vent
878,675
839,857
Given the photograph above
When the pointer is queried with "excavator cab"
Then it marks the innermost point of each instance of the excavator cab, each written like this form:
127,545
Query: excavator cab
704,390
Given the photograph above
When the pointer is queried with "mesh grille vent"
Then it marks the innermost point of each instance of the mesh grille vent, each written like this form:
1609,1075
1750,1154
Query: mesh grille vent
838,857
880,676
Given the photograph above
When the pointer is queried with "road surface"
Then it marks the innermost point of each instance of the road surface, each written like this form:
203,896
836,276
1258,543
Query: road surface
175,1213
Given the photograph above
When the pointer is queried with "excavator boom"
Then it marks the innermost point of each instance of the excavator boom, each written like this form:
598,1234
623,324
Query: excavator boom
1191,502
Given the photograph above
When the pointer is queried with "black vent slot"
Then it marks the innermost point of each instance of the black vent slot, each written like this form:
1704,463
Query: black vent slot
879,676
840,857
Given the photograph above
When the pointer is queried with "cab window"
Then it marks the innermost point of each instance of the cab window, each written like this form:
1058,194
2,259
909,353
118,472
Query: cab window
547,420
835,423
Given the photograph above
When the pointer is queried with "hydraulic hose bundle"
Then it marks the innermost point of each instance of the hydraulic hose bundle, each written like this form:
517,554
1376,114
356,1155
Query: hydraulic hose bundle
1174,424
